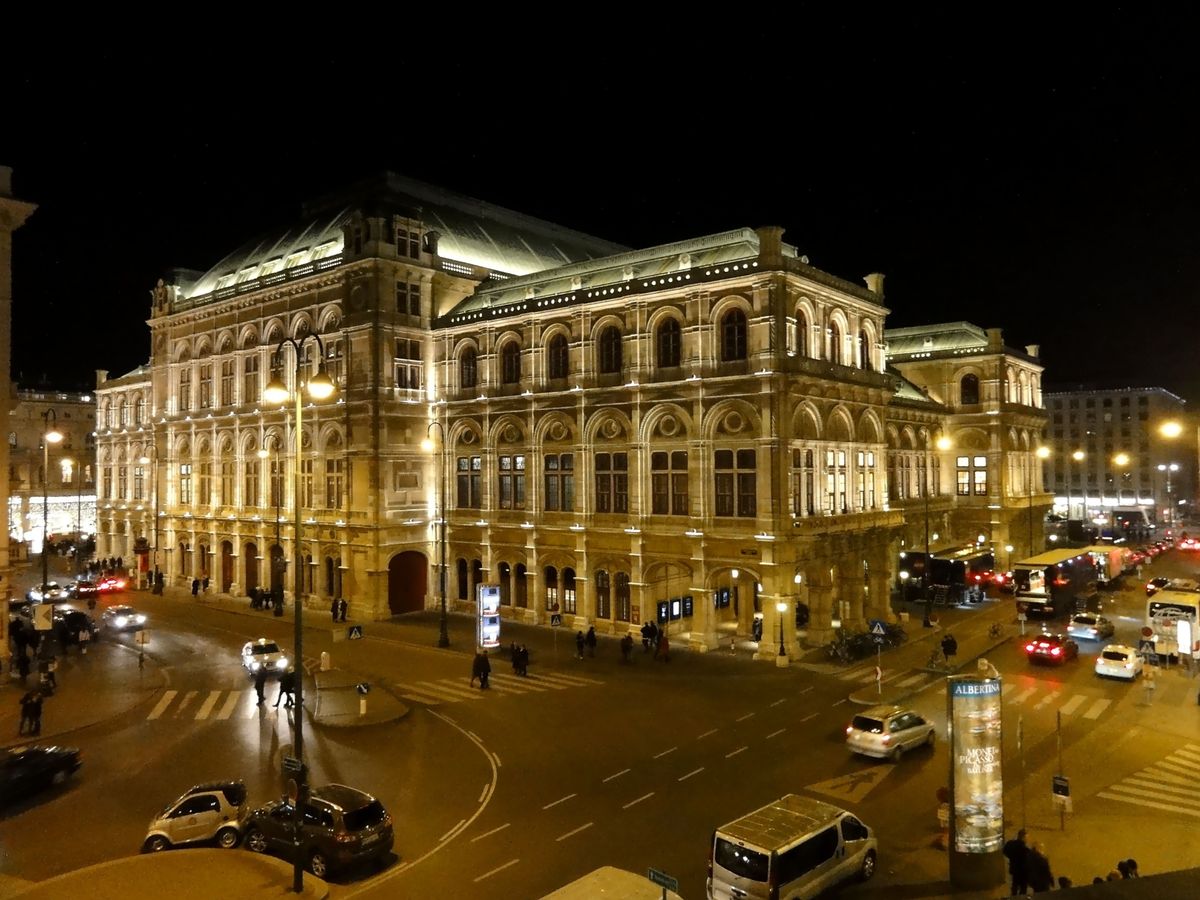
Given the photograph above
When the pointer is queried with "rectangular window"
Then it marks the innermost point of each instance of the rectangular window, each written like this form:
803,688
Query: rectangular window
467,472
512,482
334,483
227,484
404,478
803,498
306,483
205,486
335,362
276,482
227,367
408,242
560,482
408,299
139,483
250,379
206,395
250,485
185,391
108,482
735,483
407,367
669,483
185,484
612,482
122,482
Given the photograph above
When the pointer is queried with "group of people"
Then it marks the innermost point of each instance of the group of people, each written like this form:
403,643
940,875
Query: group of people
655,638
287,687
107,566
481,668
262,598
337,609
1029,868
519,655
199,584
589,641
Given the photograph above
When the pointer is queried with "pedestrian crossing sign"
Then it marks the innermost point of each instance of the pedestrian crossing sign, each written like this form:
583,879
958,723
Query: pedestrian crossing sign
355,632
877,627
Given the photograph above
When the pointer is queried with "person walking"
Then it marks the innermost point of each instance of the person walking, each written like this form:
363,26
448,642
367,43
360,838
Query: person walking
591,640
1016,851
260,680
342,607
645,637
1038,868
523,661
663,650
579,643
626,648
204,584
949,648
653,634
195,586
333,610
287,684
477,669
485,669
35,712
26,713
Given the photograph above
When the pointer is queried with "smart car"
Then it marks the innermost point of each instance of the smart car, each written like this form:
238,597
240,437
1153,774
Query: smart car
205,812
264,654
887,732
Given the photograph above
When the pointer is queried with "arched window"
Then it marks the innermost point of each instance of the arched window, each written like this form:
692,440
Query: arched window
835,343
467,372
669,341
505,584
510,363
802,334
968,390
559,356
610,350
139,410
568,591
519,586
733,335
603,595
864,351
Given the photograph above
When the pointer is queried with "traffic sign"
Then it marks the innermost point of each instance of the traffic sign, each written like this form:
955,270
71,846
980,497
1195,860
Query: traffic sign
363,688
43,616
878,627
1061,786
1147,631
663,880
291,765
354,632
555,620
1145,646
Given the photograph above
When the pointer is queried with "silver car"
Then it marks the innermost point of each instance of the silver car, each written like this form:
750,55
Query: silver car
1090,627
266,654
214,811
887,732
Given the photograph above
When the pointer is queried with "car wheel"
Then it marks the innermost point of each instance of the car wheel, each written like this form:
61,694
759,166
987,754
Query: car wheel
867,872
156,844
897,753
929,741
256,841
227,838
318,864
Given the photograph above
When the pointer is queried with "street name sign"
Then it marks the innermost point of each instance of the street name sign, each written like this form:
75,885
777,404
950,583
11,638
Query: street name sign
663,880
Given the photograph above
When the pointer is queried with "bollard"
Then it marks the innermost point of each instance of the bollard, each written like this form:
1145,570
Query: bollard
326,665
362,705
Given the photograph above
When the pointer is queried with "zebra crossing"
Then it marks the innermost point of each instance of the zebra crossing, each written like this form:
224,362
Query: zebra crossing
1171,785
457,690
866,675
200,705
1046,695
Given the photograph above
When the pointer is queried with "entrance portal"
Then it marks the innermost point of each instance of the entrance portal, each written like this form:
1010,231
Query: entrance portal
226,566
407,582
250,558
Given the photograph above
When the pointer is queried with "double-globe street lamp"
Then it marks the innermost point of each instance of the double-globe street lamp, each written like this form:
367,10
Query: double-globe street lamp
319,387
1078,456
943,444
428,446
50,435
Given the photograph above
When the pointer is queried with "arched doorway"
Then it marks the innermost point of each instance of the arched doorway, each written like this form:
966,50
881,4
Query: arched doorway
250,560
226,566
407,582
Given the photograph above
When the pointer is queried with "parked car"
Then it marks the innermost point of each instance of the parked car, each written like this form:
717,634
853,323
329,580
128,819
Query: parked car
887,732
213,811
27,770
1090,627
111,584
341,826
1119,661
260,653
122,618
1189,543
1051,648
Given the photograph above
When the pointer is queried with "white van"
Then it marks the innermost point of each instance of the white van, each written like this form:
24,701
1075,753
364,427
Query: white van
791,849
611,883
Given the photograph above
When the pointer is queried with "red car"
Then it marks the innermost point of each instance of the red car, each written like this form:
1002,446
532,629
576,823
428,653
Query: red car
1189,543
111,584
1051,648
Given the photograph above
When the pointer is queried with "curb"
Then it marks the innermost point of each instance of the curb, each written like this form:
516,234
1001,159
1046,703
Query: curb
867,696
352,720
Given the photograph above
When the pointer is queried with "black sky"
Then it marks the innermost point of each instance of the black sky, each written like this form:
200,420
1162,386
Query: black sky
1043,179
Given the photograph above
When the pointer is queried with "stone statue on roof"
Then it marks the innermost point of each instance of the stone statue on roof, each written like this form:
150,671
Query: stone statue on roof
160,296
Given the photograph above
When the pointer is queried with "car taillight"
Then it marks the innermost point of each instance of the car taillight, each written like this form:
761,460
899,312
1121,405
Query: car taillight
887,739
345,837
1029,648
849,729
1055,651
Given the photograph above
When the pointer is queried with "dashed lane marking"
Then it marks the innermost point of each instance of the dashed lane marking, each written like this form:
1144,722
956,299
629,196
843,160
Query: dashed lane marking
711,731
809,716
745,717
559,800
511,862
665,752
563,837
911,680
690,774
638,800
774,733
777,702
486,834
736,752
617,775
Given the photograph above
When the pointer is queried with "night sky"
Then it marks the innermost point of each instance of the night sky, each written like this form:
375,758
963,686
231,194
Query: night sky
1044,180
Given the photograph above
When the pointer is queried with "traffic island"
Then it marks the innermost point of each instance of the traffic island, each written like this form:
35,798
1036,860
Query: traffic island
347,700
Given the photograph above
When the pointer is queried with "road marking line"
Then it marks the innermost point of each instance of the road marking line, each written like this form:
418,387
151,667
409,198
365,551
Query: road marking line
690,774
496,757
501,687
451,832
227,707
736,752
1139,801
665,752
445,692
411,693
1049,698
563,837
1153,789
911,679
183,704
427,701
891,677
1098,707
1073,704
483,793
560,800
1187,755
809,716
474,735
209,702
511,862
777,702
774,733
806,690
542,683
1192,747
638,800
745,717
618,775
161,706
1023,696
840,702
480,837
1167,777
583,678
1176,768
853,674
707,733
867,679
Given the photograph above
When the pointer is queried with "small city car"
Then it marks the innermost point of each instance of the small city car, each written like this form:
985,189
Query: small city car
887,732
122,618
206,812
1090,627
1119,661
1189,543
1051,648
27,770
340,826
264,653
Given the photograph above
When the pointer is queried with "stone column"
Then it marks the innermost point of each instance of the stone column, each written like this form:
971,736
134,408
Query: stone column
852,597
820,609
704,621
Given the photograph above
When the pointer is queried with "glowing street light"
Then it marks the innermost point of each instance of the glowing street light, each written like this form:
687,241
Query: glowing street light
50,435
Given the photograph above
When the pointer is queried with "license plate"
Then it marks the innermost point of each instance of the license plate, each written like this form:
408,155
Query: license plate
370,839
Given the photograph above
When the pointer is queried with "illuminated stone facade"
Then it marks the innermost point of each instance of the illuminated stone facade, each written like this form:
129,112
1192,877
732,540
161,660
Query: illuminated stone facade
711,421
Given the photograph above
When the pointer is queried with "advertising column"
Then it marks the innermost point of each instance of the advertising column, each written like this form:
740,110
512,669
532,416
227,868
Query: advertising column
488,636
976,782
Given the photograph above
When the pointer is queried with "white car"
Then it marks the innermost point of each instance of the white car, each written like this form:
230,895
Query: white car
1119,661
886,732
122,618
1090,627
264,654
47,593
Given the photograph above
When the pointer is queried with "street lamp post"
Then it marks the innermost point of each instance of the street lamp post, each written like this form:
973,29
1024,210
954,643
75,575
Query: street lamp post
781,608
319,387
156,582
50,435
276,492
943,444
1040,453
1169,468
1121,460
428,446
1077,456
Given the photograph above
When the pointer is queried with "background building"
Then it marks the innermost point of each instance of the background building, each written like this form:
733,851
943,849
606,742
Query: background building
704,432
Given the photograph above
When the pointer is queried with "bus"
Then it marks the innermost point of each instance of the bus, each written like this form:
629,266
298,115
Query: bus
1165,612
1054,583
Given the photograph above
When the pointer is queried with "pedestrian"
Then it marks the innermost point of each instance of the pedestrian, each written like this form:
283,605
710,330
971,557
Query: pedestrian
23,667
287,684
195,586
626,647
514,656
1131,868
260,680
1038,868
342,607
120,563
333,610
1064,882
204,584
485,669
1016,851
85,638
579,643
663,650
36,712
523,661
653,635
26,713
645,637
591,640
477,669
949,648
1149,678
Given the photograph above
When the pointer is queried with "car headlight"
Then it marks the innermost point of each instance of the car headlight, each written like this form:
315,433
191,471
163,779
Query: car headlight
120,621
254,665
141,620
281,663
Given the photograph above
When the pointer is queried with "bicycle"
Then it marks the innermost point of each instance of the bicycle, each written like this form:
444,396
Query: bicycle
937,659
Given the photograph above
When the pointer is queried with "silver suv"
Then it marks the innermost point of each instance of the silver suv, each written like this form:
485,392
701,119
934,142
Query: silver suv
887,732
213,811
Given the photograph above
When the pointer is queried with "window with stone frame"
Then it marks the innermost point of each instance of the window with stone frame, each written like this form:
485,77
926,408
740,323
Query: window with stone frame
670,344
408,299
550,580
468,472
139,483
185,391
835,482
250,389
250,482
568,592
610,351
335,482
510,363
227,376
335,361
204,488
139,411
408,242
623,597
733,336
185,483
735,483
669,483
122,482
558,358
226,485
511,483
612,482
603,595
804,495
407,364
559,482
468,372
206,386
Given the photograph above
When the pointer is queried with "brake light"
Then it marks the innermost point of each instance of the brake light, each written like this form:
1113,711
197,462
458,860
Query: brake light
1029,648
345,837
849,729
1055,651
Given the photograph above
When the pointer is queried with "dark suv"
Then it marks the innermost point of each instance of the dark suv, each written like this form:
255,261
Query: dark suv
341,826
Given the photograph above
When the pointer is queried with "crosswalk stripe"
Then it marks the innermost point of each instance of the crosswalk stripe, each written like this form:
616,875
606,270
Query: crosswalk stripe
1149,788
227,707
427,701
1073,704
161,706
1157,775
854,674
1049,698
580,678
439,689
183,704
911,679
1023,696
209,702
1139,801
516,684
507,688
1175,767
1186,755
1098,707
418,695
869,678
543,682
1183,759
1191,747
